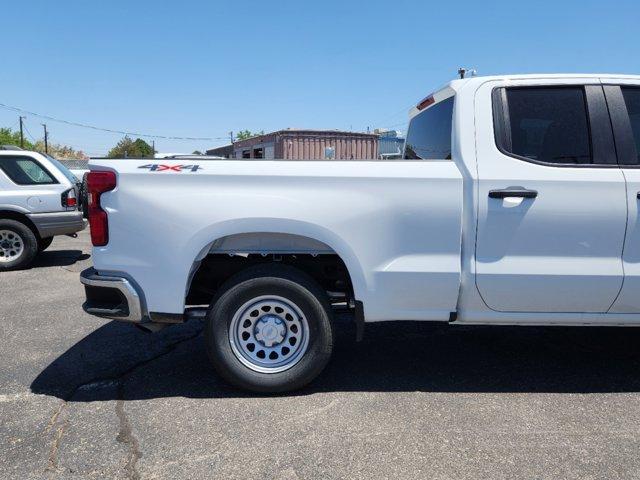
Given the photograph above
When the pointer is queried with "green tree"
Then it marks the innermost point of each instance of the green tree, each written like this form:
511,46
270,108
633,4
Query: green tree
60,151
196,152
9,137
244,134
128,147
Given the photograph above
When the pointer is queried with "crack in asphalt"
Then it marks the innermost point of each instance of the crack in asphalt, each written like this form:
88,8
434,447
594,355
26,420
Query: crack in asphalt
54,417
125,434
52,459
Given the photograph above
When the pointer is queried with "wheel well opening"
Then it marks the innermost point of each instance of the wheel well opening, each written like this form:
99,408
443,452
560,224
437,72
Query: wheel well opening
327,269
19,217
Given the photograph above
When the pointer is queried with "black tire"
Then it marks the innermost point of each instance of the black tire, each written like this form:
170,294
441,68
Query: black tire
44,243
295,287
29,242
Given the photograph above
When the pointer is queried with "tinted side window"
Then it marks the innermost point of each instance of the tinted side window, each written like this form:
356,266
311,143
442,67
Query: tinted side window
632,100
429,136
547,124
25,171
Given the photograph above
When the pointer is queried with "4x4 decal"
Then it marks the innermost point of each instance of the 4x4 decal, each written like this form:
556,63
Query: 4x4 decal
160,167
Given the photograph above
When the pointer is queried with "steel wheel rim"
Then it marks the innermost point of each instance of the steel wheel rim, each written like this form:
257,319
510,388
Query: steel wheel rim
269,334
11,246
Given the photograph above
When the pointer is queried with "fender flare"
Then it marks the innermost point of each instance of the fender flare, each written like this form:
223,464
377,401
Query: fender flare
200,244
21,215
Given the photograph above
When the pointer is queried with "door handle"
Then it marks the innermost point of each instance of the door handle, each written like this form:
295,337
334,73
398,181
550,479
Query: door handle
513,192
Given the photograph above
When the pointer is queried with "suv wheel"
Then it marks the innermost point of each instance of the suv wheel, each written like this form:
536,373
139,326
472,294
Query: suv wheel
18,245
270,329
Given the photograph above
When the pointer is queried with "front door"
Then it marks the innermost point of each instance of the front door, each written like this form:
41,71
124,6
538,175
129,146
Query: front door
551,198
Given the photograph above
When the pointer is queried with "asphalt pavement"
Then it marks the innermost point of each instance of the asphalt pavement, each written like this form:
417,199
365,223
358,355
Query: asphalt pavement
82,397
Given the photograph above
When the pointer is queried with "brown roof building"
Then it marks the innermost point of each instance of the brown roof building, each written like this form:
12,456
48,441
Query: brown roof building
293,144
225,151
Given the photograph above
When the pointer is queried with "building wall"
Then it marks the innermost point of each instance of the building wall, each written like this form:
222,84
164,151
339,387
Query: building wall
311,145
314,146
224,151
266,142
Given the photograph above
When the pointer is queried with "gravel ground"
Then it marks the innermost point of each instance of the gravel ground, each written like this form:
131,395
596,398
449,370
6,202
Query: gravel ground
82,397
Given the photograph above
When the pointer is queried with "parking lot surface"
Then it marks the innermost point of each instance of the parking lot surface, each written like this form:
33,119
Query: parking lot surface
82,397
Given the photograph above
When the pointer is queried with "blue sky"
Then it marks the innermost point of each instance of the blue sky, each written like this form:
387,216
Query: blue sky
203,68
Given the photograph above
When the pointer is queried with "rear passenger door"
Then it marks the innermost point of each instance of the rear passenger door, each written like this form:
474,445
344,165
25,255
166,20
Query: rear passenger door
551,198
28,184
623,99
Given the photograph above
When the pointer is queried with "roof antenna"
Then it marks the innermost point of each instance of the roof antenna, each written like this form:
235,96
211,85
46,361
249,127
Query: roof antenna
462,71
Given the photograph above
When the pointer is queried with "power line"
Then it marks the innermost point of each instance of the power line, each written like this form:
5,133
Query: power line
87,145
389,117
92,127
397,124
29,133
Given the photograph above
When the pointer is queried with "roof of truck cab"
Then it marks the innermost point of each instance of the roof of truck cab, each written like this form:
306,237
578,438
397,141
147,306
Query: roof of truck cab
454,86
459,83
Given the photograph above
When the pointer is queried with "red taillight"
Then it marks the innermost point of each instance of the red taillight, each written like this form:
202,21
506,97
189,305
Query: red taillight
69,199
97,184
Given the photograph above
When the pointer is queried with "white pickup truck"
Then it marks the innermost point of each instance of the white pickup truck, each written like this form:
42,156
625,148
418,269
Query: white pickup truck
516,202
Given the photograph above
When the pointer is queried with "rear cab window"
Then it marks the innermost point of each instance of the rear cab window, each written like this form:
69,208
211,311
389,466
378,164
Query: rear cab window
23,170
429,135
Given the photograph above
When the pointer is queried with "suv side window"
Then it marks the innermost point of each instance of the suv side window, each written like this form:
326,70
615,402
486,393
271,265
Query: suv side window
545,124
25,171
429,136
631,97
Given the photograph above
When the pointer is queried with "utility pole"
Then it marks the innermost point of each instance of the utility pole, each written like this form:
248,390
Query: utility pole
21,134
231,136
153,148
46,138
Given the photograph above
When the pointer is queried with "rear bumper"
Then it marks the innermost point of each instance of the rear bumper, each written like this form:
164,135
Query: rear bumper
58,223
112,296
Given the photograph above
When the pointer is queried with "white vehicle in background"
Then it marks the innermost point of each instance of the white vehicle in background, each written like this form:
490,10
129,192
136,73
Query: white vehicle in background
515,202
199,156
39,199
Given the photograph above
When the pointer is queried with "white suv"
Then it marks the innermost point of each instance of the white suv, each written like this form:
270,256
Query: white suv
39,198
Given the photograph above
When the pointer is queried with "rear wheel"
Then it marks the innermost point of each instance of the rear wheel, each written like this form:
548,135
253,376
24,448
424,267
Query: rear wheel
270,330
18,245
44,243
